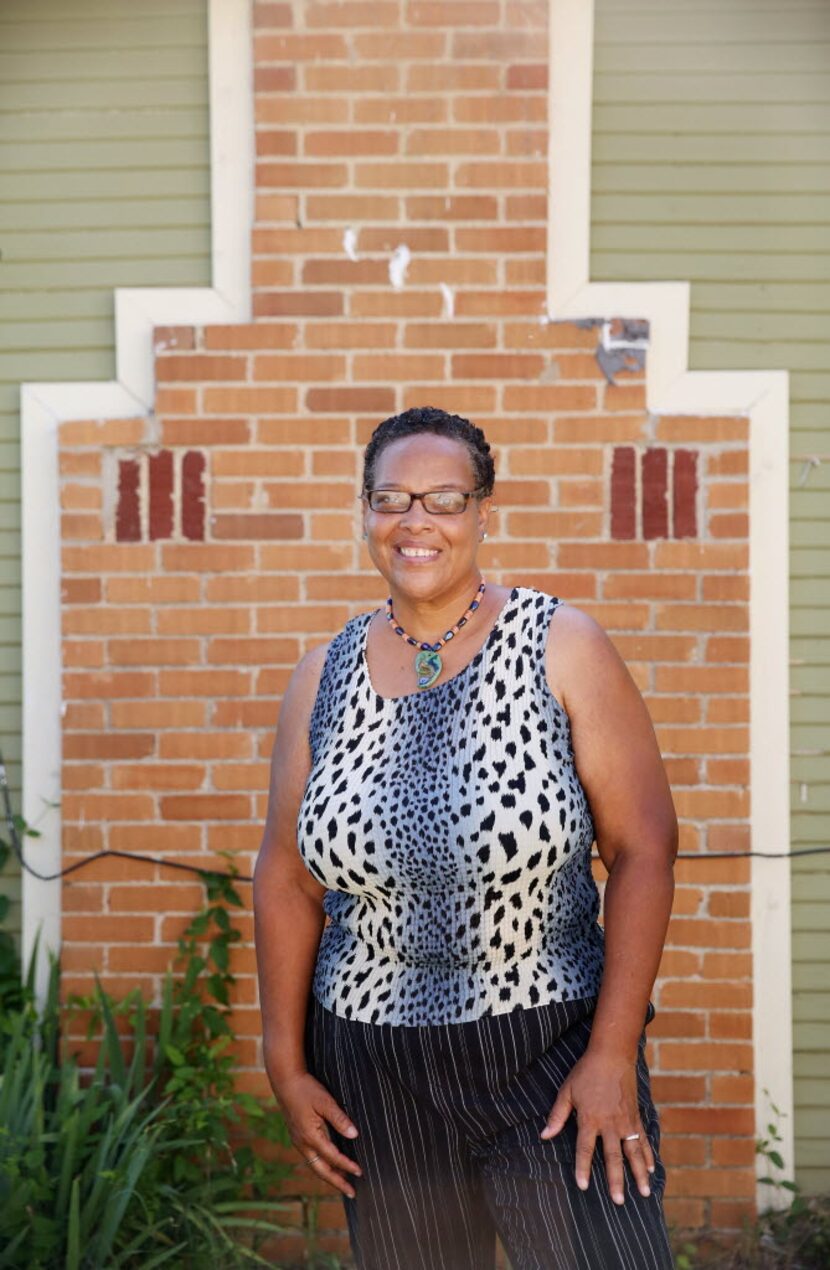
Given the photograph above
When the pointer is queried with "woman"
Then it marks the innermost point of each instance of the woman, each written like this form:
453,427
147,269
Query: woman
460,1051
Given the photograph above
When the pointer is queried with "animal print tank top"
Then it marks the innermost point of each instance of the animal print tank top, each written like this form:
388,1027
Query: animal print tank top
453,834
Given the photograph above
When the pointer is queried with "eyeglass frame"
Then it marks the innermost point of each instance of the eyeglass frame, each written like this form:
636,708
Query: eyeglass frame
381,489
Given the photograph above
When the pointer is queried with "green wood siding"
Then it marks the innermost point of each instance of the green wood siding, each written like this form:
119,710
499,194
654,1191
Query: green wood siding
710,163
104,182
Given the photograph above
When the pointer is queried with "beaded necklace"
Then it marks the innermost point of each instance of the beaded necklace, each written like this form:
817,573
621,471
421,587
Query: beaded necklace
428,664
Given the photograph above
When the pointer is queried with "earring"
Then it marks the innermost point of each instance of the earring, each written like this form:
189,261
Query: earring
483,535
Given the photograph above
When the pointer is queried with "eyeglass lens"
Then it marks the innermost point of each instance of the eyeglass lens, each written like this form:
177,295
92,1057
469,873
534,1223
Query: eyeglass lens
438,502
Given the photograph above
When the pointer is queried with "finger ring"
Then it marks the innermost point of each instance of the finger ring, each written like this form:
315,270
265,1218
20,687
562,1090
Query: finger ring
632,1137
311,1159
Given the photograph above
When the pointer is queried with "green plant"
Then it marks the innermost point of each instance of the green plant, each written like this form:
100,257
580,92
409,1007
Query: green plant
12,990
792,1236
150,1158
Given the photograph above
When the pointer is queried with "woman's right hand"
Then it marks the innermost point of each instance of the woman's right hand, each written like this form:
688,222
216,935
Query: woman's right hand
308,1107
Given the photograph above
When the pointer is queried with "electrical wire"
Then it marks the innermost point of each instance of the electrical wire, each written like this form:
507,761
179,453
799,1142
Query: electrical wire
109,853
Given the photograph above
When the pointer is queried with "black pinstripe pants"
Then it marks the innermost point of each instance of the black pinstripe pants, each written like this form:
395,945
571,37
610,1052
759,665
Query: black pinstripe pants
449,1118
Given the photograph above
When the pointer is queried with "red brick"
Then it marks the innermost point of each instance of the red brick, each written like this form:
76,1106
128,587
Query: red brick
684,494
201,807
257,525
298,304
623,499
337,400
654,483
160,491
199,368
274,79
128,513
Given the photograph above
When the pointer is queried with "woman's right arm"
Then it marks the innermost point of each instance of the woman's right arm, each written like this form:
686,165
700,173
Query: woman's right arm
289,918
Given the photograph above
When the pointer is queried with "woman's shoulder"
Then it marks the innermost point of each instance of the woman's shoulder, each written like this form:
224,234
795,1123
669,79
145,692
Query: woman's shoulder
309,669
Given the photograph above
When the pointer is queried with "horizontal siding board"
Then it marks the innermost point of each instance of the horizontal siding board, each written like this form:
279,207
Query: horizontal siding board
116,185
703,122
104,148
669,26
708,266
73,333
632,87
786,240
766,327
148,152
694,208
709,178
169,270
13,12
104,94
133,243
93,214
738,57
104,34
709,163
149,121
51,65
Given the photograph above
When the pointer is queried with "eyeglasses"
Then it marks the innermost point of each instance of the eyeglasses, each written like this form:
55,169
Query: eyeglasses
438,502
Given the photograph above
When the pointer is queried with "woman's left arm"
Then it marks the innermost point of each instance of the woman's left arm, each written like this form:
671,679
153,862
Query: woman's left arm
619,765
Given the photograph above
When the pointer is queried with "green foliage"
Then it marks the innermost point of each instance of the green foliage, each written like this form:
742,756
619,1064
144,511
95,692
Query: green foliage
11,987
150,1159
795,1235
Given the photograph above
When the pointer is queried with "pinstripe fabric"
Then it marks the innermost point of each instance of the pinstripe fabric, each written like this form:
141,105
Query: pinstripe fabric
449,1117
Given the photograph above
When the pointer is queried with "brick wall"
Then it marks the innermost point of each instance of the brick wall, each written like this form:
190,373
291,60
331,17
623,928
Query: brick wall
399,260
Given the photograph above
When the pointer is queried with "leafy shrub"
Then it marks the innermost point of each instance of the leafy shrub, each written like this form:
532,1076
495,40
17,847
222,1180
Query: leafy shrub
11,988
150,1159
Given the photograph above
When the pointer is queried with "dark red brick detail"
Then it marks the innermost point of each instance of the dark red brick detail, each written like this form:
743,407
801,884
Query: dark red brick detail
193,495
128,507
160,485
623,492
684,494
655,472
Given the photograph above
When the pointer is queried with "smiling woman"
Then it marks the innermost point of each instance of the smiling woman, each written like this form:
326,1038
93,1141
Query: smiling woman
459,1049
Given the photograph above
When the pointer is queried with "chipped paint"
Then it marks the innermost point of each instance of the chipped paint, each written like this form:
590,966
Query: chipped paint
632,332
350,243
622,346
398,265
449,300
616,361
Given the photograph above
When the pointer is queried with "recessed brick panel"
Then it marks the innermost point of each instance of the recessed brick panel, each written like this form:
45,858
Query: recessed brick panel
193,495
654,480
684,494
128,504
160,494
624,492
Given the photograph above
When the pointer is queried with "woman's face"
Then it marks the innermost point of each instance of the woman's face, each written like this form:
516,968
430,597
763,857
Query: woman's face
422,555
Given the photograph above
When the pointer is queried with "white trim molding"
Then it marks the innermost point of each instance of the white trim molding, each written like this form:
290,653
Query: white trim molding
132,393
671,388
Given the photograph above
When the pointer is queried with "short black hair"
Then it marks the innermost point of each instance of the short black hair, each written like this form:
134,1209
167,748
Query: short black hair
422,419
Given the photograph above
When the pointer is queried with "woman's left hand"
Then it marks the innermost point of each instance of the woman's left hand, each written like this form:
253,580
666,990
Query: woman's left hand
602,1092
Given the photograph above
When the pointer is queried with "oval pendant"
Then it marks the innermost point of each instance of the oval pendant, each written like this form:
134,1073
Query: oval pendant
427,667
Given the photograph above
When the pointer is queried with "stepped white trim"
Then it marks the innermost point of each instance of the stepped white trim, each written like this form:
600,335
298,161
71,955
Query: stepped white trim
44,406
671,388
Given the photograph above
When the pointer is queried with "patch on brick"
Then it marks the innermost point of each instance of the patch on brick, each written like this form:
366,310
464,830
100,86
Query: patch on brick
653,493
622,347
160,496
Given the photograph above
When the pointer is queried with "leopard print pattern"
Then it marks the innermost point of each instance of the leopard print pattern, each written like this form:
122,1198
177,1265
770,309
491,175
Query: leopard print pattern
452,833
